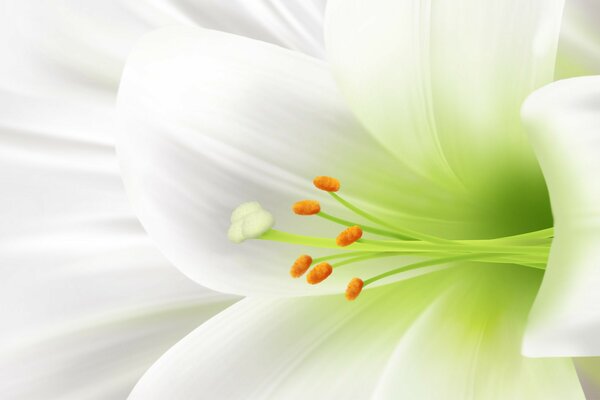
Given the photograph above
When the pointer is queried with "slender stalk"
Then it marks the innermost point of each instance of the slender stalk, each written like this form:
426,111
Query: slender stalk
426,263
366,228
402,231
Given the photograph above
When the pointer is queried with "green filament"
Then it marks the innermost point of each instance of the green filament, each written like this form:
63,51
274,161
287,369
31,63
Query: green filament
529,249
366,228
427,263
513,254
401,231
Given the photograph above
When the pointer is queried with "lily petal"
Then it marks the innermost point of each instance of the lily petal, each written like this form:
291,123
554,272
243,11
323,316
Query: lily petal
563,120
211,121
440,84
319,347
467,345
324,347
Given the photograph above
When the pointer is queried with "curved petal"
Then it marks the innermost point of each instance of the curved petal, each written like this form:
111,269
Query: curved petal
466,345
318,347
440,84
564,124
210,121
324,347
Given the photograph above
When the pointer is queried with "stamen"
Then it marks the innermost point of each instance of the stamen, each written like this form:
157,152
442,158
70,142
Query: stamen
300,266
319,273
327,183
250,221
354,288
538,253
349,236
306,207
402,231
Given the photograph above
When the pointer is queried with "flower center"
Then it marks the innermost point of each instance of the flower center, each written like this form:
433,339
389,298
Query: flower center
250,221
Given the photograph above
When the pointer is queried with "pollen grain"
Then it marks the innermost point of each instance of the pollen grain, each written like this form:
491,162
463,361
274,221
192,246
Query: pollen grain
327,183
319,273
354,288
300,266
349,236
306,207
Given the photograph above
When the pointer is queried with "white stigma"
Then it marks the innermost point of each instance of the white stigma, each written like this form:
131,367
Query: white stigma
249,221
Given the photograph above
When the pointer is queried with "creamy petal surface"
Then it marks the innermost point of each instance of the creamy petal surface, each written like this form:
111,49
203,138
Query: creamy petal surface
440,84
563,120
453,334
467,344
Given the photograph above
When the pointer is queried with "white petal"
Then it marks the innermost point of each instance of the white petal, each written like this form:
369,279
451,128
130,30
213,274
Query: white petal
467,346
310,347
440,84
564,124
211,121
464,345
78,47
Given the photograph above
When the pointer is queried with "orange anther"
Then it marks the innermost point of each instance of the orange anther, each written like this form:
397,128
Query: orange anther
319,273
327,183
300,266
306,207
354,288
349,236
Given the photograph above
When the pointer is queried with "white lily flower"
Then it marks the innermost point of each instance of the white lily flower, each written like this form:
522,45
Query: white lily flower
423,126
88,303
